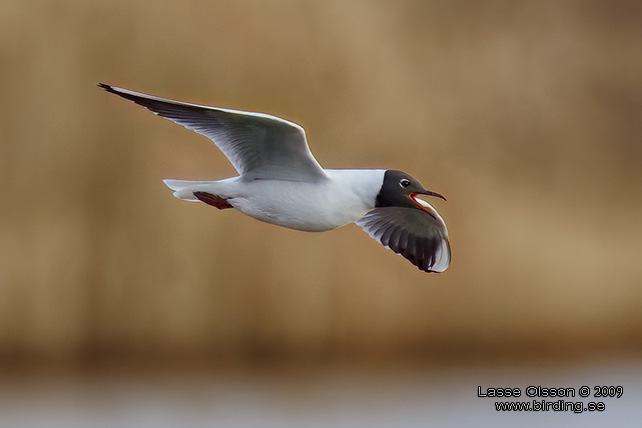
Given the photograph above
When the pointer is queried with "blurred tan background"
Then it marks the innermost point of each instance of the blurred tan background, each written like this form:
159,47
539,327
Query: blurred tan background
525,115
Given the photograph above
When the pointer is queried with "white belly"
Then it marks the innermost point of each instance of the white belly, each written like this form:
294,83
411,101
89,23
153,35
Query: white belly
312,207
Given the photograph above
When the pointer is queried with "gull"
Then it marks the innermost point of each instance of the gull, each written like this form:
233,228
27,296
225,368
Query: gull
281,183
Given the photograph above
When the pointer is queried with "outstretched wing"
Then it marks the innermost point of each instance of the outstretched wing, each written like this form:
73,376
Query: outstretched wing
418,235
259,146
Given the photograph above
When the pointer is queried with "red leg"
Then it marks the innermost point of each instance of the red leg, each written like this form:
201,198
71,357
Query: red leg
213,200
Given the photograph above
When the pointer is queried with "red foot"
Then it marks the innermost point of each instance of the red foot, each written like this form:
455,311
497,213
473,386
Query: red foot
213,200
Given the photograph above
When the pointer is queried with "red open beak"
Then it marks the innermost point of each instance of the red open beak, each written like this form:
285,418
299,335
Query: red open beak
429,193
423,205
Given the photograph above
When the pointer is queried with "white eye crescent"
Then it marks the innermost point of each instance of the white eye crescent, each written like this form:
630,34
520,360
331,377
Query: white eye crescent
404,182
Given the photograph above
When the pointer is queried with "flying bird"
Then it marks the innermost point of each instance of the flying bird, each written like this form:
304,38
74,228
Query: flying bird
281,183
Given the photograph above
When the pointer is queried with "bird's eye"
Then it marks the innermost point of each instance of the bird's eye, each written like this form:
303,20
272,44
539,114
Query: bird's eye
404,182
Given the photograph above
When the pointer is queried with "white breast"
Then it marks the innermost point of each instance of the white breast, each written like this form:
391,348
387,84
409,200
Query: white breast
314,207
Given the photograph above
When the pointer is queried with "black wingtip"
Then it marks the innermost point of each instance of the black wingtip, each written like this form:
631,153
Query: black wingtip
106,87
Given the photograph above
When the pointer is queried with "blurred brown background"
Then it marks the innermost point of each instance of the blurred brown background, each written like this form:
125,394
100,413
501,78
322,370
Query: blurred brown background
525,115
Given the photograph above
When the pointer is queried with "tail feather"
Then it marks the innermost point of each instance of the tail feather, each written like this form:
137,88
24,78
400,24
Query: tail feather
184,189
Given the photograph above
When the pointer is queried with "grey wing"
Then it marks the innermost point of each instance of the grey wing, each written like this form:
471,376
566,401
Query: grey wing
259,146
415,234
